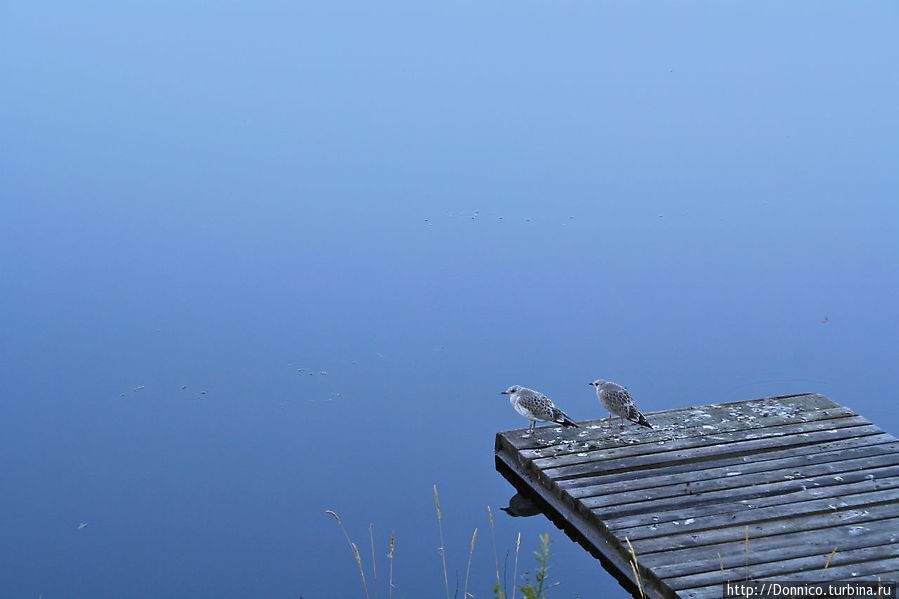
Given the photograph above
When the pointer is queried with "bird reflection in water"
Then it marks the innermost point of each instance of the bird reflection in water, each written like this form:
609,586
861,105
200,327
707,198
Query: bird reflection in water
521,506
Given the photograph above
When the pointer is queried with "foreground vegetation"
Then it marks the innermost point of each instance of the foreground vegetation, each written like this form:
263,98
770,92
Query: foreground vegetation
537,588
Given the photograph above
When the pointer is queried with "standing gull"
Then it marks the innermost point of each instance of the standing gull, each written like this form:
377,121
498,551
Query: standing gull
618,401
535,406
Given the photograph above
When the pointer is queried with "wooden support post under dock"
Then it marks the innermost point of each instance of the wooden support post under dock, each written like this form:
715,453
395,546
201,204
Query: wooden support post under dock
804,474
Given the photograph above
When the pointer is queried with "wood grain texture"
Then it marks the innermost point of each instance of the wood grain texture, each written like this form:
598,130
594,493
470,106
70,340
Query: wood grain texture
801,474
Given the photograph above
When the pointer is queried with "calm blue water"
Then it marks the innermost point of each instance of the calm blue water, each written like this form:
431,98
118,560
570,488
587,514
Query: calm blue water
428,203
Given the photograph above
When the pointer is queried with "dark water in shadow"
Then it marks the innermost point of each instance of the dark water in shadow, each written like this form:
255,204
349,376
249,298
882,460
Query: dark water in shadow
262,262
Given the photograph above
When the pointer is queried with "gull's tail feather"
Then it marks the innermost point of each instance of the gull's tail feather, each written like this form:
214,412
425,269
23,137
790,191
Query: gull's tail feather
560,417
639,418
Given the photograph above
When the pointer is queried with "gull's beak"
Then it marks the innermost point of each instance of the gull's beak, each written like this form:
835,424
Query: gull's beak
504,393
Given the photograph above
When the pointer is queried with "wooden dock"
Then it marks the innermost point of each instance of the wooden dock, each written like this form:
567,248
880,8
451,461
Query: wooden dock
804,474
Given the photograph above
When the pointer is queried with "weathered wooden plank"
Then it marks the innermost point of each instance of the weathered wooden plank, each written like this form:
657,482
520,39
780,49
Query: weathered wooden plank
806,542
703,452
879,577
767,528
861,571
883,577
593,437
594,497
582,527
736,556
732,437
800,473
790,405
746,516
781,568
729,495
678,513
713,469
715,592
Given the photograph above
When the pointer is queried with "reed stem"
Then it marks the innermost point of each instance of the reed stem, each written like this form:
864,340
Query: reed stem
465,594
442,548
515,569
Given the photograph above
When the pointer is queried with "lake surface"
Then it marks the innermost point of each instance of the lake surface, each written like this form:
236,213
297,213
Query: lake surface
260,262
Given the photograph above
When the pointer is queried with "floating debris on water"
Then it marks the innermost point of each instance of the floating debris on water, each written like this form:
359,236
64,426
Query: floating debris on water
82,525
324,373
139,388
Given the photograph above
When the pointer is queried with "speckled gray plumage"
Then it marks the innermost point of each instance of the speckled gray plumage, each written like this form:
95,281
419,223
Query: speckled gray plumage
618,401
535,406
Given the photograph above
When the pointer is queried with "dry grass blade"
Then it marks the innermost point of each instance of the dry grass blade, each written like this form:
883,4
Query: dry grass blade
747,553
390,559
832,553
721,564
474,537
374,566
361,570
515,570
634,568
442,546
493,538
637,578
437,501
354,548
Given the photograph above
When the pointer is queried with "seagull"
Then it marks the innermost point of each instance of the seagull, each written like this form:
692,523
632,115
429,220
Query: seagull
618,401
535,406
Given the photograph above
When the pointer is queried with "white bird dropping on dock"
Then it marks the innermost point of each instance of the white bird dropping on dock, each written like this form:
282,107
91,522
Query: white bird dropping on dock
535,406
618,401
